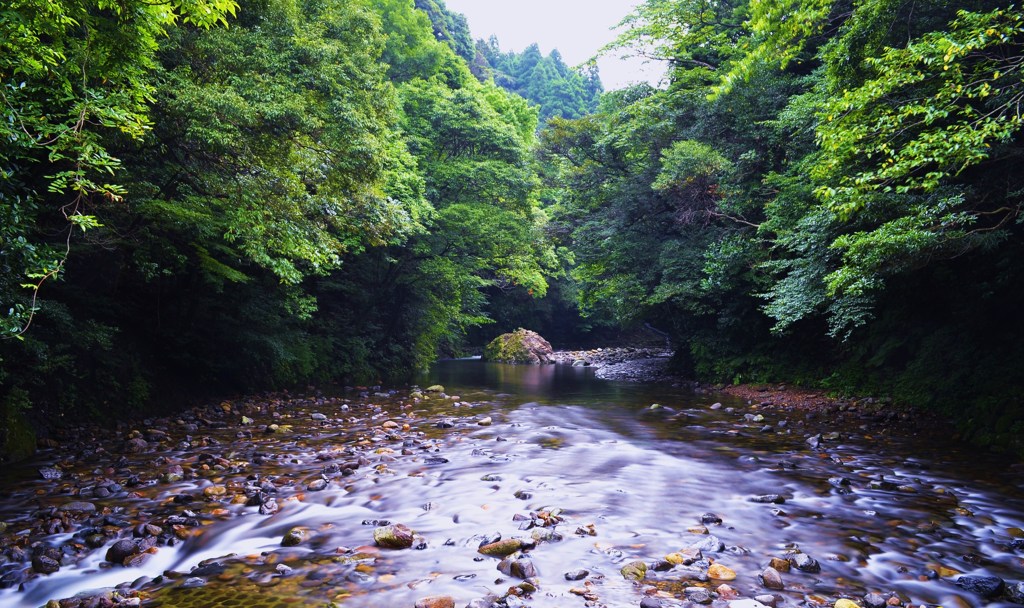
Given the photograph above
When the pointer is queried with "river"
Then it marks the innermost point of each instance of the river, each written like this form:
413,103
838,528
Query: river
586,471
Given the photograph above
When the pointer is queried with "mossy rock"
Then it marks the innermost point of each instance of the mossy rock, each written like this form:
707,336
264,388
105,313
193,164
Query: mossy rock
521,346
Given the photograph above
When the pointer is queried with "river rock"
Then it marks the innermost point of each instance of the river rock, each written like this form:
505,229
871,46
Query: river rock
436,388
215,491
520,567
845,603
397,536
805,563
698,595
576,575
875,600
634,571
121,551
501,548
771,579
711,544
1015,593
50,473
767,600
725,592
985,586
710,518
436,601
651,602
317,485
777,499
782,565
294,537
486,421
46,560
520,346
721,573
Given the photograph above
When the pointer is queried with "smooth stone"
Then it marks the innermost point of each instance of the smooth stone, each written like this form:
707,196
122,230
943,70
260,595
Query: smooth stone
501,548
651,602
725,592
46,561
805,563
50,473
214,491
485,421
576,575
782,565
436,601
845,603
985,586
721,573
1014,592
397,536
121,550
710,518
776,499
698,595
436,388
771,579
316,485
318,416
634,571
767,600
294,537
193,582
875,600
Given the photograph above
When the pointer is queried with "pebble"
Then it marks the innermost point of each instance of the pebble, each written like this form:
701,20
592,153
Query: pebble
634,571
845,603
485,421
771,579
782,565
805,563
777,499
214,491
51,473
721,573
501,548
397,536
294,537
698,595
316,485
80,506
576,575
767,600
874,600
710,518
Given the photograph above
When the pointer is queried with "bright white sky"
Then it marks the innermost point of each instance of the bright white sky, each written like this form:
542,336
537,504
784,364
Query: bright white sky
577,28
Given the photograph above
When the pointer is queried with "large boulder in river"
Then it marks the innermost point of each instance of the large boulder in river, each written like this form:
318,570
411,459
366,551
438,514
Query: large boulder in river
520,346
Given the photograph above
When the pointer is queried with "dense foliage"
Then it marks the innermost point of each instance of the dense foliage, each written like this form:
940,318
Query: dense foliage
824,192
199,197
198,201
558,89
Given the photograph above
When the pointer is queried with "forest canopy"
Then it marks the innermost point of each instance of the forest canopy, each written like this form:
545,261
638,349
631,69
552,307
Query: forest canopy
203,196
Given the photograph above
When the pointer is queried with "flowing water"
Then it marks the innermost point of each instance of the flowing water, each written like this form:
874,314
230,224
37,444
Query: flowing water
585,465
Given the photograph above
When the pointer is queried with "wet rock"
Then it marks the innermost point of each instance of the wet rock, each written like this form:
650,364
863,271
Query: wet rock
985,586
501,548
397,536
845,603
294,537
721,573
767,600
725,592
874,600
685,557
651,602
1014,592
634,571
771,579
576,575
436,388
485,421
805,563
777,499
445,424
215,491
46,560
318,416
814,441
710,544
782,565
520,567
436,601
51,473
317,485
121,551
136,445
698,595
710,518
523,495
193,582
520,346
